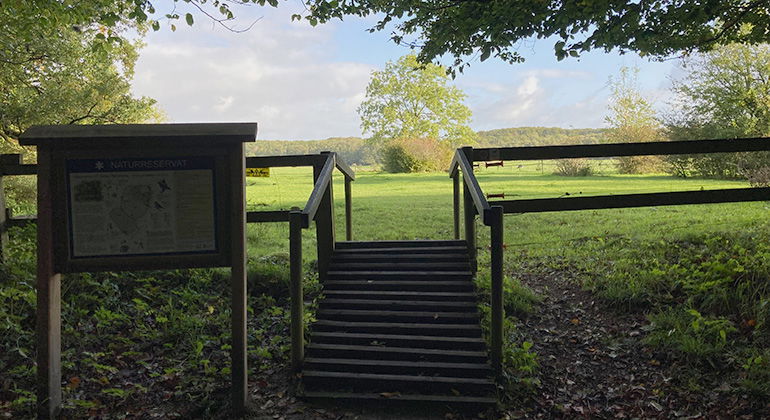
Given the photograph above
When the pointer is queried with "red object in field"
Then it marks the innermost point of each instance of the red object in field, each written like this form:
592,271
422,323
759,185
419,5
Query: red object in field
499,195
496,163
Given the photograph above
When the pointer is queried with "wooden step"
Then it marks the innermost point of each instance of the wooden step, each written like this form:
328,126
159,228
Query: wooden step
394,353
404,249
465,370
398,316
397,305
401,295
442,266
445,330
400,340
405,257
418,400
380,382
407,285
399,244
465,275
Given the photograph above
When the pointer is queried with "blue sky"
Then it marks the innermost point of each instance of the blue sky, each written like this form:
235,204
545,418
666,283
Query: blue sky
300,82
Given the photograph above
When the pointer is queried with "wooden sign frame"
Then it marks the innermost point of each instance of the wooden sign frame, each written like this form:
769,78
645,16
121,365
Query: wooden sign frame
221,145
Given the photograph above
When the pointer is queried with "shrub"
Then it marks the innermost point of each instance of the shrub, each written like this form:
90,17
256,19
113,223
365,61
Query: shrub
573,167
638,164
415,155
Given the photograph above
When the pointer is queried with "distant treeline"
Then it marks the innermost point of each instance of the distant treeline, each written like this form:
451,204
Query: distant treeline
355,151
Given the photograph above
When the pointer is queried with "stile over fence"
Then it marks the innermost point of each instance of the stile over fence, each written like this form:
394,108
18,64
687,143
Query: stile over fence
319,208
474,202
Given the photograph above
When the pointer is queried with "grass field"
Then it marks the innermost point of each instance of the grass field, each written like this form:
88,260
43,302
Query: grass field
416,206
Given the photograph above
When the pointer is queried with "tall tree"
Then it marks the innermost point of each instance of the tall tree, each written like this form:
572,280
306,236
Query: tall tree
725,94
497,28
632,120
409,100
59,73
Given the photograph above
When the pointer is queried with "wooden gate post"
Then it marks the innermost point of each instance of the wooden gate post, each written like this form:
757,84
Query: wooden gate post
496,274
456,203
237,234
297,299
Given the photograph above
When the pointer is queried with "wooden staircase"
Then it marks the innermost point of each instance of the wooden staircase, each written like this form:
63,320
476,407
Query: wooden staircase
399,323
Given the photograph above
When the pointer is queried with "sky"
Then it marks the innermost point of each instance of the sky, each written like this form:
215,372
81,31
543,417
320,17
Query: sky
300,82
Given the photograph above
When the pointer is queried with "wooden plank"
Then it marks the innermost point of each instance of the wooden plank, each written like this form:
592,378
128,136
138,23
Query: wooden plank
353,365
26,169
348,210
322,210
284,161
419,399
623,149
48,325
21,221
456,330
267,216
497,315
635,200
237,234
344,168
322,179
471,184
73,135
297,299
4,225
398,244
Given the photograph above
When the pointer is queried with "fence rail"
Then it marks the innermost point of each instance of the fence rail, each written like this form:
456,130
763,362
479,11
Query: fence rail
491,212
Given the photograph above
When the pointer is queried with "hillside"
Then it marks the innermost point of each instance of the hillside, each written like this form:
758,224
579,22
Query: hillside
355,150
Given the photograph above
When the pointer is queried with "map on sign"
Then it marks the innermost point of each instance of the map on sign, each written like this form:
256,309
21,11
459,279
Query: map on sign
141,206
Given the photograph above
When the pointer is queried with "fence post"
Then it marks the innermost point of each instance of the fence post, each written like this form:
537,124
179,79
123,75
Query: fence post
8,159
348,210
324,223
456,202
297,298
498,315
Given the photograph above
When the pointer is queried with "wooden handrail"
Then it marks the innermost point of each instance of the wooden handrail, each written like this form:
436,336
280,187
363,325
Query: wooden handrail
284,161
319,190
345,169
481,203
622,149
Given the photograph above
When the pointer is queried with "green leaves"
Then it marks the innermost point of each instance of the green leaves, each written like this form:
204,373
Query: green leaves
189,19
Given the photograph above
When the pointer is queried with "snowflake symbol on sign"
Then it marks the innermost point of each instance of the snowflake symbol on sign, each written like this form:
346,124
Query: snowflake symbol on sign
99,165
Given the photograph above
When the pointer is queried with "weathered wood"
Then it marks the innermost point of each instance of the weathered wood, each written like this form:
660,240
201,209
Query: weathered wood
239,368
125,134
267,216
402,366
348,210
451,330
635,200
284,161
26,169
344,168
324,216
400,340
322,179
497,315
469,214
420,401
470,182
397,244
402,295
396,353
456,205
20,221
297,299
623,149
48,325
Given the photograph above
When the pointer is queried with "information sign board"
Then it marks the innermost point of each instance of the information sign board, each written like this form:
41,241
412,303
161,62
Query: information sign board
139,206
258,172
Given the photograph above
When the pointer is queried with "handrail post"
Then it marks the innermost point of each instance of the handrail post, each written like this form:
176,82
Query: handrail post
469,212
456,203
324,222
498,314
297,299
7,159
348,210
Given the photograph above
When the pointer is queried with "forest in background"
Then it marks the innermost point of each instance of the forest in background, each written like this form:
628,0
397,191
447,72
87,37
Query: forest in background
354,150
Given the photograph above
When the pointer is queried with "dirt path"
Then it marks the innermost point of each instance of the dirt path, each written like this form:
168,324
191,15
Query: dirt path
593,364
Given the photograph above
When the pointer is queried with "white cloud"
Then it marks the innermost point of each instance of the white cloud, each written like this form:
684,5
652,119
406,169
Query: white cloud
277,74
